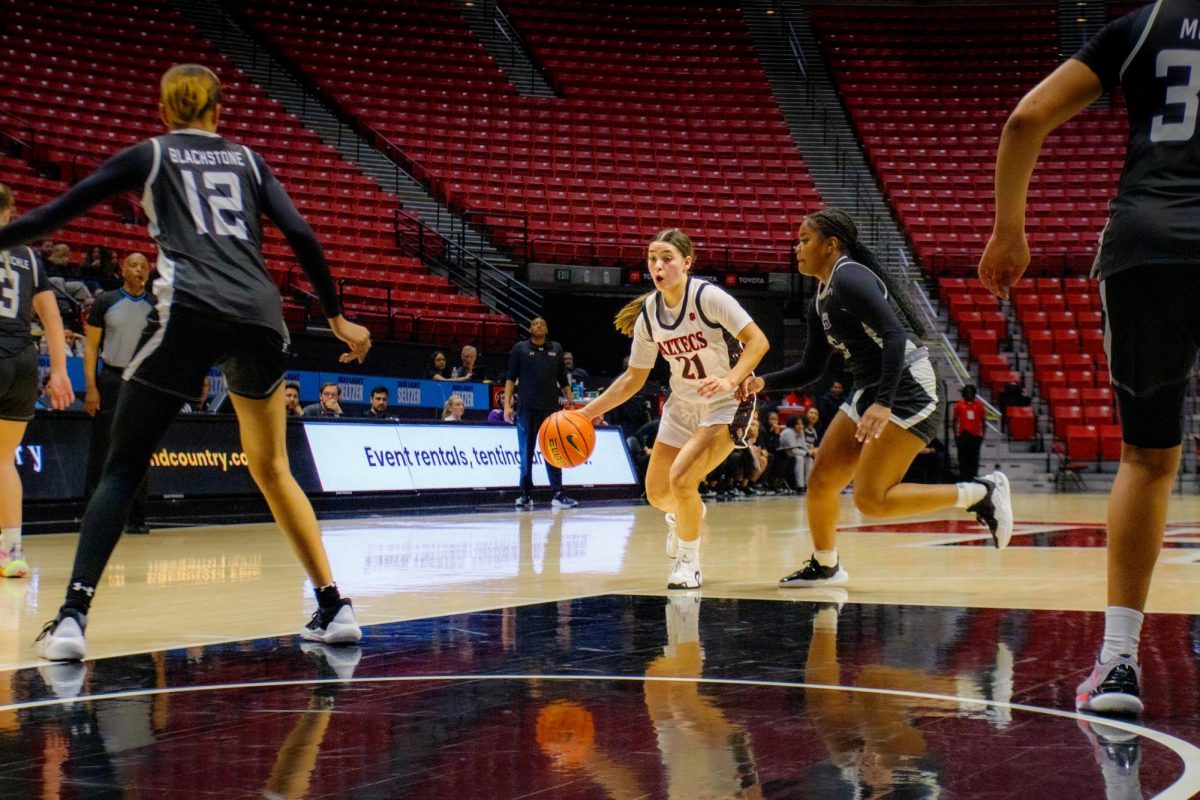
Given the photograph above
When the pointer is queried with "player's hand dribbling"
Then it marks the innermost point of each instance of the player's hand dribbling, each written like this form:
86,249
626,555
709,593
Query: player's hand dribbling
752,385
353,334
60,391
1004,262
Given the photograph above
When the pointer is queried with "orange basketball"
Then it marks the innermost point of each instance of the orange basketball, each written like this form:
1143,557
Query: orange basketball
566,439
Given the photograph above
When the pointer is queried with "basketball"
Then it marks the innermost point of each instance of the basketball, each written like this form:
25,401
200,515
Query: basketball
566,439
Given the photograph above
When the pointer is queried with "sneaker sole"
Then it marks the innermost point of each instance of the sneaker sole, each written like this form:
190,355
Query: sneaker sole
836,580
681,587
1002,501
64,650
334,634
1115,703
556,504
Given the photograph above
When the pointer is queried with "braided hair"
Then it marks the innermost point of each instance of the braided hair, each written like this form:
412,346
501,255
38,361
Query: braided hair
833,223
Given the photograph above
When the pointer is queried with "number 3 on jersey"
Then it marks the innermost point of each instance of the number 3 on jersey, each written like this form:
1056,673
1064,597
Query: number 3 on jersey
1180,94
224,207
693,368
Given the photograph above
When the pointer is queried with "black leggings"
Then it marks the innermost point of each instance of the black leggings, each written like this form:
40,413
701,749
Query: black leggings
142,417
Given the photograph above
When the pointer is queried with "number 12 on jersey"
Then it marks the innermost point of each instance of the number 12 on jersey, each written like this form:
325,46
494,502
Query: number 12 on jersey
220,204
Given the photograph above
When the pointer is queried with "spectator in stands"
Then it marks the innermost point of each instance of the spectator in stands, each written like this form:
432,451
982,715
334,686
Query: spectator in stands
64,275
1147,264
467,371
205,404
439,367
577,374
291,399
224,309
1013,396
26,289
536,364
45,401
496,415
98,268
379,404
791,451
829,404
44,250
810,439
969,418
329,404
453,409
114,330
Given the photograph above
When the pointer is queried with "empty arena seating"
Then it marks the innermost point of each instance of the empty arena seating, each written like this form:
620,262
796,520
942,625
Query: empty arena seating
929,91
73,106
664,119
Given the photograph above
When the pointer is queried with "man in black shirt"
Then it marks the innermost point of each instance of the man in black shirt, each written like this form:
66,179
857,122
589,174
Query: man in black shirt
379,404
1149,270
537,365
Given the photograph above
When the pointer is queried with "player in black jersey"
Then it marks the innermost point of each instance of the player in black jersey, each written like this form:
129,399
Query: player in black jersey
1148,265
895,409
23,291
204,196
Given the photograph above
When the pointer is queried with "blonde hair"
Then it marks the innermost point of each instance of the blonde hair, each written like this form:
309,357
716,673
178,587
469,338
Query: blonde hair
189,91
627,317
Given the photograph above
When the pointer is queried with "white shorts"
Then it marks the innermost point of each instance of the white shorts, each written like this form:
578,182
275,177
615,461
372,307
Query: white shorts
680,419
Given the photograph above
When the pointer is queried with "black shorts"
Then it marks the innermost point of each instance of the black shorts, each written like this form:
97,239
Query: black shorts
175,356
916,407
1152,338
19,387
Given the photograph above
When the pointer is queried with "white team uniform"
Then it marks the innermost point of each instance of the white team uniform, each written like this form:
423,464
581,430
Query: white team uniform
698,338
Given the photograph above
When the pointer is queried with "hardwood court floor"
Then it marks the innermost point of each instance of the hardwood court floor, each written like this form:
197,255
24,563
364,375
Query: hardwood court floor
546,641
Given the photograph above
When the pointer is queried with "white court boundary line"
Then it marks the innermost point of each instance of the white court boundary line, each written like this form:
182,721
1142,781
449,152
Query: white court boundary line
1184,787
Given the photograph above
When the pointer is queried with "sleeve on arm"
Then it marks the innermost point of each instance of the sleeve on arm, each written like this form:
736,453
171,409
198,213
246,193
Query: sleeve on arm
811,365
299,234
722,308
643,353
860,292
124,172
1105,53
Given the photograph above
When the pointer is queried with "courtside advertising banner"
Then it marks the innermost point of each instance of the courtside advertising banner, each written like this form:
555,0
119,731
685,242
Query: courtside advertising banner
353,457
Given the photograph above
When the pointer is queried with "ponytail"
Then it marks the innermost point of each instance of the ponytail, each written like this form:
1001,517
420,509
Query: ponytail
627,317
834,223
189,92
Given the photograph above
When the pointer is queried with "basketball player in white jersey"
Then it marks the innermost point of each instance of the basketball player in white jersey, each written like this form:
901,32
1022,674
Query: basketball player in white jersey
712,345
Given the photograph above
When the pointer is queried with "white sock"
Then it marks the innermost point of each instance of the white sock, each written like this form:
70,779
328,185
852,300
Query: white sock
690,551
969,493
826,558
1122,630
10,538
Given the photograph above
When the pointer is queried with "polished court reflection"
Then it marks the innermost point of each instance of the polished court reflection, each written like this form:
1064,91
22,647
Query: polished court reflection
537,655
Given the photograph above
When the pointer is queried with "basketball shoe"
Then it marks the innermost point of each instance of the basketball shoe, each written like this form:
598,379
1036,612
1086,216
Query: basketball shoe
995,509
813,574
524,503
62,637
673,535
562,501
1112,688
12,562
336,625
684,575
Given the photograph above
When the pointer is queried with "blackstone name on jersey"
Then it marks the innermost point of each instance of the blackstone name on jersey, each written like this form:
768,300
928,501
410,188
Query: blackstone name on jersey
207,158
683,344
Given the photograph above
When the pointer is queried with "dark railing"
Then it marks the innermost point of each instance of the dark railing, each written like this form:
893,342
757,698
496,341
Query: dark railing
496,17
497,288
